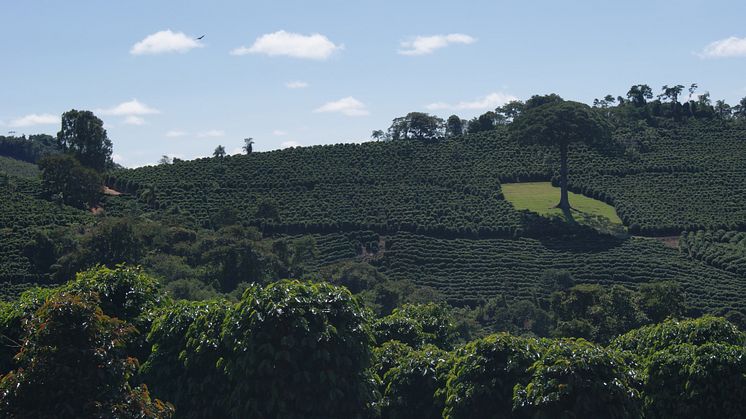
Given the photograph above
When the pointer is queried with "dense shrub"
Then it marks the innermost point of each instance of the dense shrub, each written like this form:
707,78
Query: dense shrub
297,350
484,373
418,325
577,379
414,385
73,364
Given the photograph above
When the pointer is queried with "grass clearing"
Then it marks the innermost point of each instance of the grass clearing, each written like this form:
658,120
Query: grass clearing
542,198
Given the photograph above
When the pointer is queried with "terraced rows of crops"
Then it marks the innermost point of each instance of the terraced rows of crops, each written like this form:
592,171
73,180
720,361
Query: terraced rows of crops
383,186
722,249
688,177
21,213
336,247
468,270
668,203
18,168
694,177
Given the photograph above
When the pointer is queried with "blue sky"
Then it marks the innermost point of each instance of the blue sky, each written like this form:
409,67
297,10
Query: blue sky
360,63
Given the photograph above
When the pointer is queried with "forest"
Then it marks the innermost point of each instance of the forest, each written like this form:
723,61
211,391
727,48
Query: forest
385,279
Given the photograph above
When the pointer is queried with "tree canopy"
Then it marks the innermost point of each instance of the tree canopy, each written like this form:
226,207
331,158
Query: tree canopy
83,135
549,120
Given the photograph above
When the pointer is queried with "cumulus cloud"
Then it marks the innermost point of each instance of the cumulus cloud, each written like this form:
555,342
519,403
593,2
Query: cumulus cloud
347,106
490,101
134,120
288,144
174,133
423,45
279,133
211,133
313,47
117,158
724,48
165,42
34,119
297,84
133,107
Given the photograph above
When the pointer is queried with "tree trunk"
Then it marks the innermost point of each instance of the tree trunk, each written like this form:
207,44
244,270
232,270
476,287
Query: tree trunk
564,203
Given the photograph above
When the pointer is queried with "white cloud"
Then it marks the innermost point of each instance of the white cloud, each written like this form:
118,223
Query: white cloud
348,106
728,47
117,158
422,45
490,101
133,107
237,150
297,84
35,119
314,47
211,133
176,133
279,133
134,120
165,42
288,144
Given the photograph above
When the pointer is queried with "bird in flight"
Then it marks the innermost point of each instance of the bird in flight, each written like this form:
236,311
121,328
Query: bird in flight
200,37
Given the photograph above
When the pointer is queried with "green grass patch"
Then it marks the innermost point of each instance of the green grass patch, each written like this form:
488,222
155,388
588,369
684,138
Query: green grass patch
542,198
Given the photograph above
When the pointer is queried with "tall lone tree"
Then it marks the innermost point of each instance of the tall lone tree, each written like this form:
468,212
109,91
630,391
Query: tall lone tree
248,145
560,123
84,136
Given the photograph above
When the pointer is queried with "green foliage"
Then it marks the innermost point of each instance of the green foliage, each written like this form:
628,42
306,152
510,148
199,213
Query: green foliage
28,149
12,316
469,272
297,350
722,249
696,381
454,126
451,187
83,135
596,313
647,340
577,379
521,317
219,152
693,368
110,242
18,168
418,325
684,176
182,367
64,180
484,372
416,126
554,122
72,364
414,385
125,292
660,300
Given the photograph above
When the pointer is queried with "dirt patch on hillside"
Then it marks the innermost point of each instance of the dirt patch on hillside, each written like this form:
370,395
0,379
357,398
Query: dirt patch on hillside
111,192
668,241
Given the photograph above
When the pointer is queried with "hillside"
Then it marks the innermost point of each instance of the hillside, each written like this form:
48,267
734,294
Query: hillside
438,214
668,180
433,212
23,213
